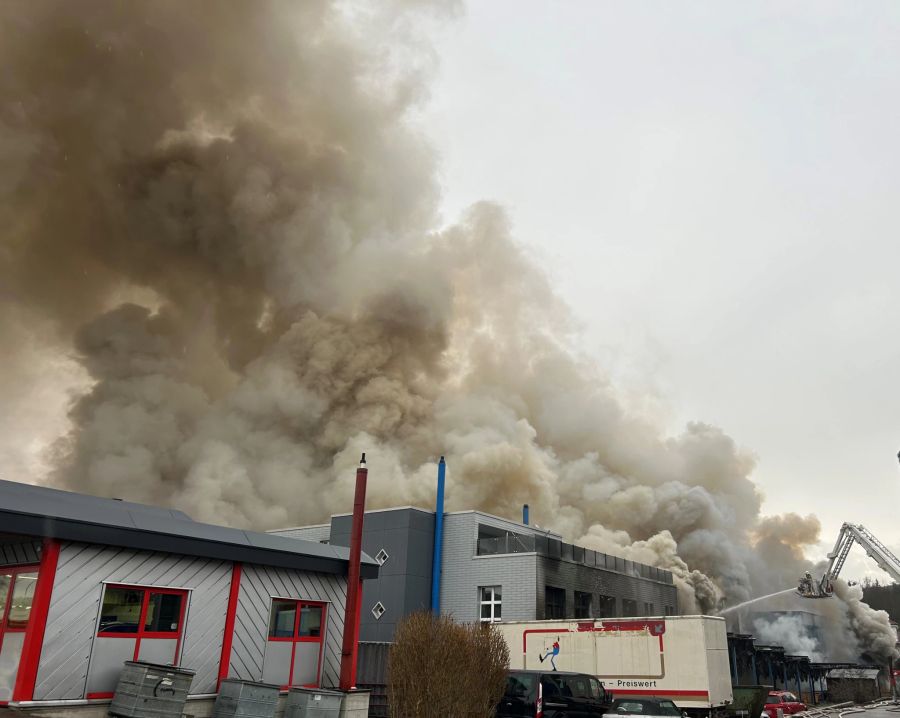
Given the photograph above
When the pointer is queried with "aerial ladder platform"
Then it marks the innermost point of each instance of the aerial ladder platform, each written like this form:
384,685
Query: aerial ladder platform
850,534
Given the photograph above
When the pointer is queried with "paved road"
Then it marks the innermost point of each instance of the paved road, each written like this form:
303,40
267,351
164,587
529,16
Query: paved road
878,713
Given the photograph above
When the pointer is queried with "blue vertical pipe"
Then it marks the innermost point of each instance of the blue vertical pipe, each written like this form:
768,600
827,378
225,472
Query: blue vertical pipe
438,540
525,514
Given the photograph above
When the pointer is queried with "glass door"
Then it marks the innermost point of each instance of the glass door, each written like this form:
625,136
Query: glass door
17,587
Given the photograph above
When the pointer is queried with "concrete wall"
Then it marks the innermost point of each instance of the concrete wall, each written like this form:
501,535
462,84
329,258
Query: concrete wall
403,585
72,619
259,585
464,572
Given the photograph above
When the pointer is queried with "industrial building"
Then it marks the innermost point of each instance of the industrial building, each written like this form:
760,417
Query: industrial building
489,569
87,583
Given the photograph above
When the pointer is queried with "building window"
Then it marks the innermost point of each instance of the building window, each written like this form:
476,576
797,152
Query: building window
670,610
16,595
606,607
629,607
490,604
147,624
648,609
294,651
582,605
554,602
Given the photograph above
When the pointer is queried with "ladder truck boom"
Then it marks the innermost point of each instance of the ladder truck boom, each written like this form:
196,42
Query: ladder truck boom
850,534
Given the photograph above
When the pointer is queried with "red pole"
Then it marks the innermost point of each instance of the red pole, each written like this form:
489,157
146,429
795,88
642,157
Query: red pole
37,623
230,616
354,604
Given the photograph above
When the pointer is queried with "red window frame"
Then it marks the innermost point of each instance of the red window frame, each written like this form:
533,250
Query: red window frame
145,604
142,633
299,604
14,571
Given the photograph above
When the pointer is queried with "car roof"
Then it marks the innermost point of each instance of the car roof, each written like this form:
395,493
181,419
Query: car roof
645,699
533,672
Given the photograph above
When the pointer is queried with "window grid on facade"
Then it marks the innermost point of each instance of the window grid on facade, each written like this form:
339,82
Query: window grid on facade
554,602
648,609
606,606
582,605
490,604
629,607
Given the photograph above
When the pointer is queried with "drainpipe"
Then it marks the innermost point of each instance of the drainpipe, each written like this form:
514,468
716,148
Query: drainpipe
438,540
799,683
353,610
525,514
734,669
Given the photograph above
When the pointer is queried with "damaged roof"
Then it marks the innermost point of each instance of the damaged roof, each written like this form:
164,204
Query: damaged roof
68,516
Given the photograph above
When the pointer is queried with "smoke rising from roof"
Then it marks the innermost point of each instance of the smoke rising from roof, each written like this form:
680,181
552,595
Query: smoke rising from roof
230,218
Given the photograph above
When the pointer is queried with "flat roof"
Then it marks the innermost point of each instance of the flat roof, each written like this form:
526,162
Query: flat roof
31,510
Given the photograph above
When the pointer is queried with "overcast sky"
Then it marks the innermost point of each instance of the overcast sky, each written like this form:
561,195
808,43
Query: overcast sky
714,188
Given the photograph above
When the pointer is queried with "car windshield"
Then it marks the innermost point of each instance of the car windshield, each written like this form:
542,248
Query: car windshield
633,706
790,697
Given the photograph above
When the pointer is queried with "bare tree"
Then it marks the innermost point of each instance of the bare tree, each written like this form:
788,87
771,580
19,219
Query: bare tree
441,669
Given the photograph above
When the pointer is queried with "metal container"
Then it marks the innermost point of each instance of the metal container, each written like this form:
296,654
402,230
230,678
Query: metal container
151,690
245,699
355,704
312,703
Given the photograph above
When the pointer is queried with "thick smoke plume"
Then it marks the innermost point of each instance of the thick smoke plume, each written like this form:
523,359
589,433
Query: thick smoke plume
840,628
225,211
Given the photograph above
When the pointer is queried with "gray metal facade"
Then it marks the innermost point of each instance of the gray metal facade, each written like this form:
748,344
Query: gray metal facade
403,585
29,510
19,552
481,550
259,585
81,573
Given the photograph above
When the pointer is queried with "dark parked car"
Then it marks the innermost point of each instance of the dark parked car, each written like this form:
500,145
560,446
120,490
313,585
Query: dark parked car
552,694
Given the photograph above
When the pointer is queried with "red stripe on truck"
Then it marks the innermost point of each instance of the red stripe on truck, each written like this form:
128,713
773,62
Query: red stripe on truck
638,692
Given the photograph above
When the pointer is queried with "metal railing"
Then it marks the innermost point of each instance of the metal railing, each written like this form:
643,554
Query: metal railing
554,548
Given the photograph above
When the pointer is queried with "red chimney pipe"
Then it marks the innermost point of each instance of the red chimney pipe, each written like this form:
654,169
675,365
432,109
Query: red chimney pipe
354,584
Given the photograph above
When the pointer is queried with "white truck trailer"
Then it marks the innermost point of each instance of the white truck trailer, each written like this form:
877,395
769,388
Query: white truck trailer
683,658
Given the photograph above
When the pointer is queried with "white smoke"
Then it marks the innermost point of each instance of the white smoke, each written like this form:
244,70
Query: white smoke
790,632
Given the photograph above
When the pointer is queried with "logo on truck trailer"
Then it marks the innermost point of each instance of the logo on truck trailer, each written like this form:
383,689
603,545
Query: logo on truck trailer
634,628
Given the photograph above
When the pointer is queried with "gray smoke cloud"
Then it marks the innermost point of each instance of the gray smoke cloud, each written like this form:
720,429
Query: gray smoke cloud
227,215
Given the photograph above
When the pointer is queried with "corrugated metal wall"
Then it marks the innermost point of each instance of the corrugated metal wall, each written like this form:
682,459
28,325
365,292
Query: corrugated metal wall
259,584
371,675
75,605
17,553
